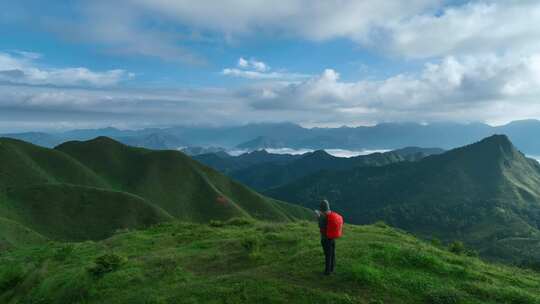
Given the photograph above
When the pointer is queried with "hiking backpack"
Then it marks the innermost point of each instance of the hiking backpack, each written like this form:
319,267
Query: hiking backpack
334,225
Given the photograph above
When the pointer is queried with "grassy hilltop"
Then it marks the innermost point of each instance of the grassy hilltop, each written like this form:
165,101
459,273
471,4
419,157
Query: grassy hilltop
244,261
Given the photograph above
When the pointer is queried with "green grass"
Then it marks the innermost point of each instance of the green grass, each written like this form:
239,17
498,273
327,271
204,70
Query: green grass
26,164
70,212
87,190
176,183
247,261
14,235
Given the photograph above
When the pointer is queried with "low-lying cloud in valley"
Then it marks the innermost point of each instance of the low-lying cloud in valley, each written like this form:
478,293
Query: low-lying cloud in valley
333,152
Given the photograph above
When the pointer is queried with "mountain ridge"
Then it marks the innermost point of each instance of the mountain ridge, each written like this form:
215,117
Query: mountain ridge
267,175
483,193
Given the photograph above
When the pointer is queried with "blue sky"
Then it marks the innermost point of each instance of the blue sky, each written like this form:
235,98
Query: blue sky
140,63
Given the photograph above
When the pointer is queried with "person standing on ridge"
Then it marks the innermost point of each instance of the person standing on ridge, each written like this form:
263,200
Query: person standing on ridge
330,226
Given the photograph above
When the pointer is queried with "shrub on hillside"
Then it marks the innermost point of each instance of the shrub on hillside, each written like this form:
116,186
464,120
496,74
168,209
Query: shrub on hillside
62,253
436,242
380,224
216,223
252,245
10,277
457,247
105,264
239,221
471,253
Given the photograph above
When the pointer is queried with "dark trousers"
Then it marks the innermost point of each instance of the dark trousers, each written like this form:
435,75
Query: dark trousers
329,249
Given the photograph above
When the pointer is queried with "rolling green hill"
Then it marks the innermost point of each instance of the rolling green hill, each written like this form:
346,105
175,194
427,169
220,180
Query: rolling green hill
26,164
87,190
486,194
243,261
171,180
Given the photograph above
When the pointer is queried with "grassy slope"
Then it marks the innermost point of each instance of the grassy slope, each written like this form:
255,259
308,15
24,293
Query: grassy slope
50,209
49,192
115,186
184,188
16,235
25,164
486,194
258,263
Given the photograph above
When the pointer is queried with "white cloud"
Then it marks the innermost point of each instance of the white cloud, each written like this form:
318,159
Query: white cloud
491,88
416,29
472,88
254,69
316,20
250,74
483,61
412,29
117,28
252,64
21,67
259,66
475,27
334,152
242,63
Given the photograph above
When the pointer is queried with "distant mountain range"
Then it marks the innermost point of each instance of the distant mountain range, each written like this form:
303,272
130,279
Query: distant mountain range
250,137
262,170
261,142
486,194
88,189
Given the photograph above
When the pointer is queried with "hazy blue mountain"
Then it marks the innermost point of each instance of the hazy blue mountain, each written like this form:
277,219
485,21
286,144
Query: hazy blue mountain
194,150
230,137
86,134
37,138
486,194
156,141
388,136
524,134
261,142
